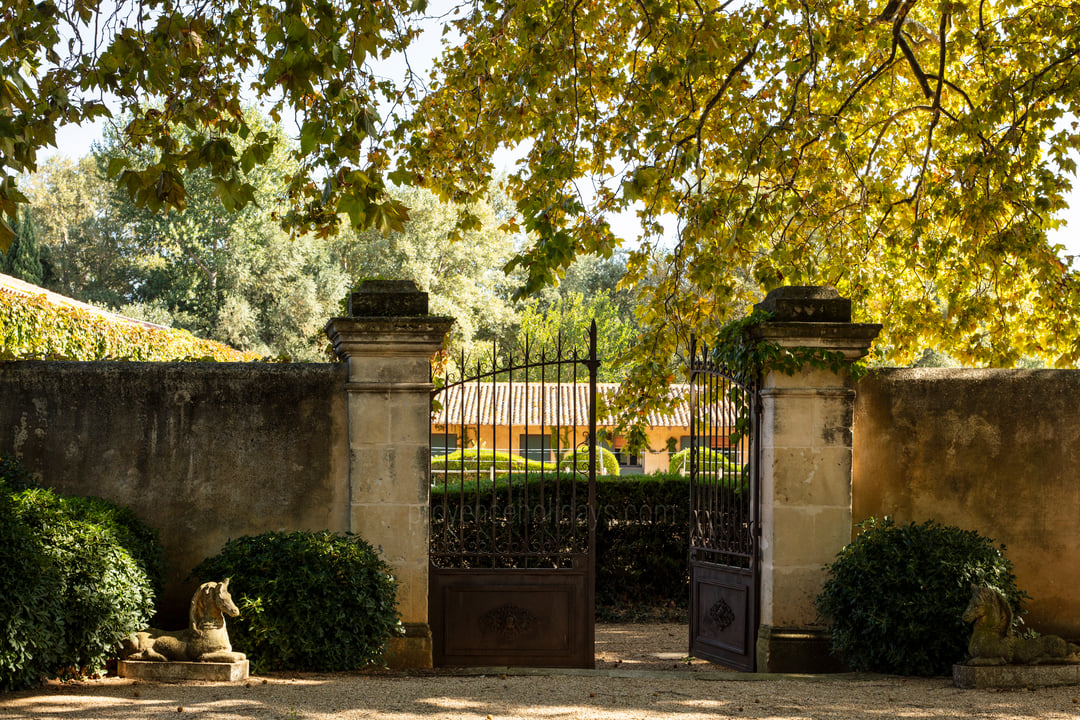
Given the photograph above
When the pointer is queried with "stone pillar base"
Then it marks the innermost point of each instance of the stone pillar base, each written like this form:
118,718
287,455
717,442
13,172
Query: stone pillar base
410,651
1015,676
179,672
795,650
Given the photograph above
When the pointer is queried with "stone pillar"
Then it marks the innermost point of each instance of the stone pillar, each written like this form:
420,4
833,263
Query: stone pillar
806,427
387,341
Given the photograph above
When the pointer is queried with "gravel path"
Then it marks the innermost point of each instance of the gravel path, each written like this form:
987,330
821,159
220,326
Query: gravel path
629,690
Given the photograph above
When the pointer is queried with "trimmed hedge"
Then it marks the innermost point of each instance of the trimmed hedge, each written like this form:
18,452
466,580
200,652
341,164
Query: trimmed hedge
318,601
74,579
31,603
642,533
137,538
481,460
643,542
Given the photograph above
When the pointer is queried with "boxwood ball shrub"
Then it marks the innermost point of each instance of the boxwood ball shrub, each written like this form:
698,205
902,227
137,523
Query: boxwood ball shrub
895,595
70,587
577,460
710,460
136,537
308,600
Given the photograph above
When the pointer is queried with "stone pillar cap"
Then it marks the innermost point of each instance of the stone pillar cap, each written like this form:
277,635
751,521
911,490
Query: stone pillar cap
806,303
852,339
388,298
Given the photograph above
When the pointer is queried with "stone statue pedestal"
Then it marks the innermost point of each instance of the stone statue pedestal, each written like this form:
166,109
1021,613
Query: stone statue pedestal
175,672
1015,676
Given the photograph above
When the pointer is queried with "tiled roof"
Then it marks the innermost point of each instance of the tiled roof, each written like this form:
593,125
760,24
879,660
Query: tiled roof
14,286
536,404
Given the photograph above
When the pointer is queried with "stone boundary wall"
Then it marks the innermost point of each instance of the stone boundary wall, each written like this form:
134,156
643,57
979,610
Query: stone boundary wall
996,451
203,452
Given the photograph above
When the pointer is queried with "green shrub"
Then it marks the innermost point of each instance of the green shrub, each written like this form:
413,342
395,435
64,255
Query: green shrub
71,587
895,595
577,460
31,604
139,539
308,600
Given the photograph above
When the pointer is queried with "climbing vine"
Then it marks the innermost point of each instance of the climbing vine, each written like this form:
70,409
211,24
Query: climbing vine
31,328
742,352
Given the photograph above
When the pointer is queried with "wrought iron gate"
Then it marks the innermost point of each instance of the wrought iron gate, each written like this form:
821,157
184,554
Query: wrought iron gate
512,513
724,516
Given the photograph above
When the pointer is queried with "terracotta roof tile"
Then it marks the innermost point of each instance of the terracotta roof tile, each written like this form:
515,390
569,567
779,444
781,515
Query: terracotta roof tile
536,404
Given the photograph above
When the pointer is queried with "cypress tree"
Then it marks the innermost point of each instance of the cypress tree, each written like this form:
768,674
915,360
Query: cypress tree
23,258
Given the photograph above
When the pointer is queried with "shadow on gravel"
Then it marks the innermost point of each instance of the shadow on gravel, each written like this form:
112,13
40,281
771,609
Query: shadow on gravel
555,697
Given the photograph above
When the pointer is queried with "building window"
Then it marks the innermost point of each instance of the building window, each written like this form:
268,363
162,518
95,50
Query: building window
535,447
443,443
623,455
684,442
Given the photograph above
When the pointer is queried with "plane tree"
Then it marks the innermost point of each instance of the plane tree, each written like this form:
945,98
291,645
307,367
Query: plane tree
164,65
912,153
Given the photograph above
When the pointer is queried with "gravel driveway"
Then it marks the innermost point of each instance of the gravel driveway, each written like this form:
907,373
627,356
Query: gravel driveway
627,685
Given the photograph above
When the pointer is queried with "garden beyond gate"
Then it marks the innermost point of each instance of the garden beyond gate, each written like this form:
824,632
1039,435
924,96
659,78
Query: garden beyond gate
513,509
724,513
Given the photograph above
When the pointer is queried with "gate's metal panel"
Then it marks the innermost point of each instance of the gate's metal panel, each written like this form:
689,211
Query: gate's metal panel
512,617
723,622
724,517
512,548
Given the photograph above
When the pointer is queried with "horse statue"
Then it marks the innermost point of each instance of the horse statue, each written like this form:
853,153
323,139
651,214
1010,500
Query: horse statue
992,639
205,640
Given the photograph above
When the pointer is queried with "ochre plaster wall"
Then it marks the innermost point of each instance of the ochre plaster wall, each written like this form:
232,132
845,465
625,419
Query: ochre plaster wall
202,451
505,439
996,451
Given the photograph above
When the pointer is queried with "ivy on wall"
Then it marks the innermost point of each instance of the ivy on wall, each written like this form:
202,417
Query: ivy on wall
31,328
747,356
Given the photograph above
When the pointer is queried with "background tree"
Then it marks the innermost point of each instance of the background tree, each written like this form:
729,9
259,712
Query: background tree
88,257
23,257
234,276
912,154
230,276
566,319
590,289
592,276
461,273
